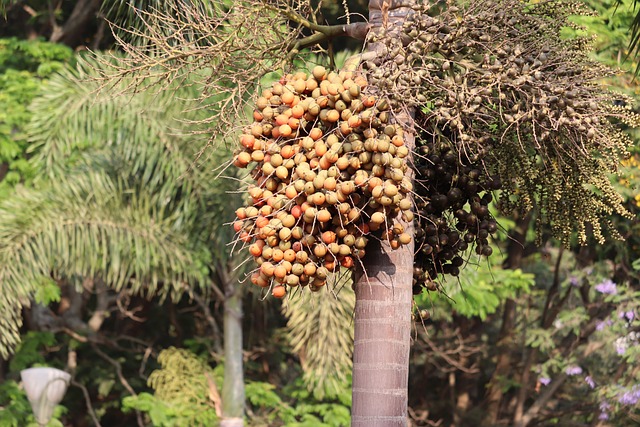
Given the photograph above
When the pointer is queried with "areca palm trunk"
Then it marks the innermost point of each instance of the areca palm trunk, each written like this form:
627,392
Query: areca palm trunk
383,301
382,339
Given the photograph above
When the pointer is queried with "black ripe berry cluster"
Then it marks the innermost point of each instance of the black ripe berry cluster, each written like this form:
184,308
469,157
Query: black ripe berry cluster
453,193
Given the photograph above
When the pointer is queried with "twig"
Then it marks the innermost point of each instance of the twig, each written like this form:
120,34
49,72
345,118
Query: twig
541,401
448,359
73,334
123,380
214,394
147,353
131,314
210,320
87,400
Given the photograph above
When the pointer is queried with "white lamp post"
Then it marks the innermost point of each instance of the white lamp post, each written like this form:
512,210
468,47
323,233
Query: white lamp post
45,388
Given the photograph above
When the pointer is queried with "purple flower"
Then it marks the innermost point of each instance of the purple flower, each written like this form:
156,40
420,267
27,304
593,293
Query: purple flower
604,407
573,370
601,324
573,280
607,287
629,315
621,346
590,381
630,397
544,380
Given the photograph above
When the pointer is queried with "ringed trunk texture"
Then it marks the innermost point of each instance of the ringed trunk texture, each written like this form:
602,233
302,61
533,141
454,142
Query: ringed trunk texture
382,336
233,388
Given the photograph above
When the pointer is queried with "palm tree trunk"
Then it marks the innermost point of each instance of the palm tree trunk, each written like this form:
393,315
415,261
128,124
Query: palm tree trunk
383,303
233,388
382,338
383,300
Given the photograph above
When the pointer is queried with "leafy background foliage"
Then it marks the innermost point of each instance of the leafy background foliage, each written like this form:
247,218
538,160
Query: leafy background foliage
24,65
318,330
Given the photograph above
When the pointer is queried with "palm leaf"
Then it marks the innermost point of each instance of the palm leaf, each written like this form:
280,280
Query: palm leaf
320,329
82,227
121,196
133,19
145,138
634,30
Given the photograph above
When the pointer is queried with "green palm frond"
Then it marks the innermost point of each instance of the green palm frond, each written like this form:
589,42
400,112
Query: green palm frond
634,30
82,227
320,329
124,12
121,195
150,131
133,17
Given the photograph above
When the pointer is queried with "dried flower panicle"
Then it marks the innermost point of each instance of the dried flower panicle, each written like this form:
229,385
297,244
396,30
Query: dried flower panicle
497,82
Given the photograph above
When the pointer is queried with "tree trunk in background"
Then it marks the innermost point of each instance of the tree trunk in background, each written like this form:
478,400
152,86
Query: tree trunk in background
71,32
383,303
233,387
515,253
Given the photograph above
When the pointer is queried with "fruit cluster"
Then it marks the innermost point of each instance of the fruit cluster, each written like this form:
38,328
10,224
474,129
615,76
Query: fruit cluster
453,192
329,175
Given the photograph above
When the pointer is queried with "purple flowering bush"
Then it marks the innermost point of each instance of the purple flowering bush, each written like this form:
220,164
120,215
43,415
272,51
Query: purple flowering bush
607,287
601,370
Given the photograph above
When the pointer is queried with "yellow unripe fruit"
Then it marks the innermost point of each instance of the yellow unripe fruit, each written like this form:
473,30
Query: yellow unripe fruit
377,218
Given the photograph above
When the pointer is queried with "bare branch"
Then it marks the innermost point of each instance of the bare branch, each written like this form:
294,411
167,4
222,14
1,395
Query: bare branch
230,50
123,380
87,399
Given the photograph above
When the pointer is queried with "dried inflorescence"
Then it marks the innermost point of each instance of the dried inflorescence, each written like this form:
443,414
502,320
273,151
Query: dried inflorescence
226,48
497,81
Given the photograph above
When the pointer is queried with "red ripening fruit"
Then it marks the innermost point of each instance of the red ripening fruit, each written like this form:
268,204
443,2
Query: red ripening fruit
278,291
